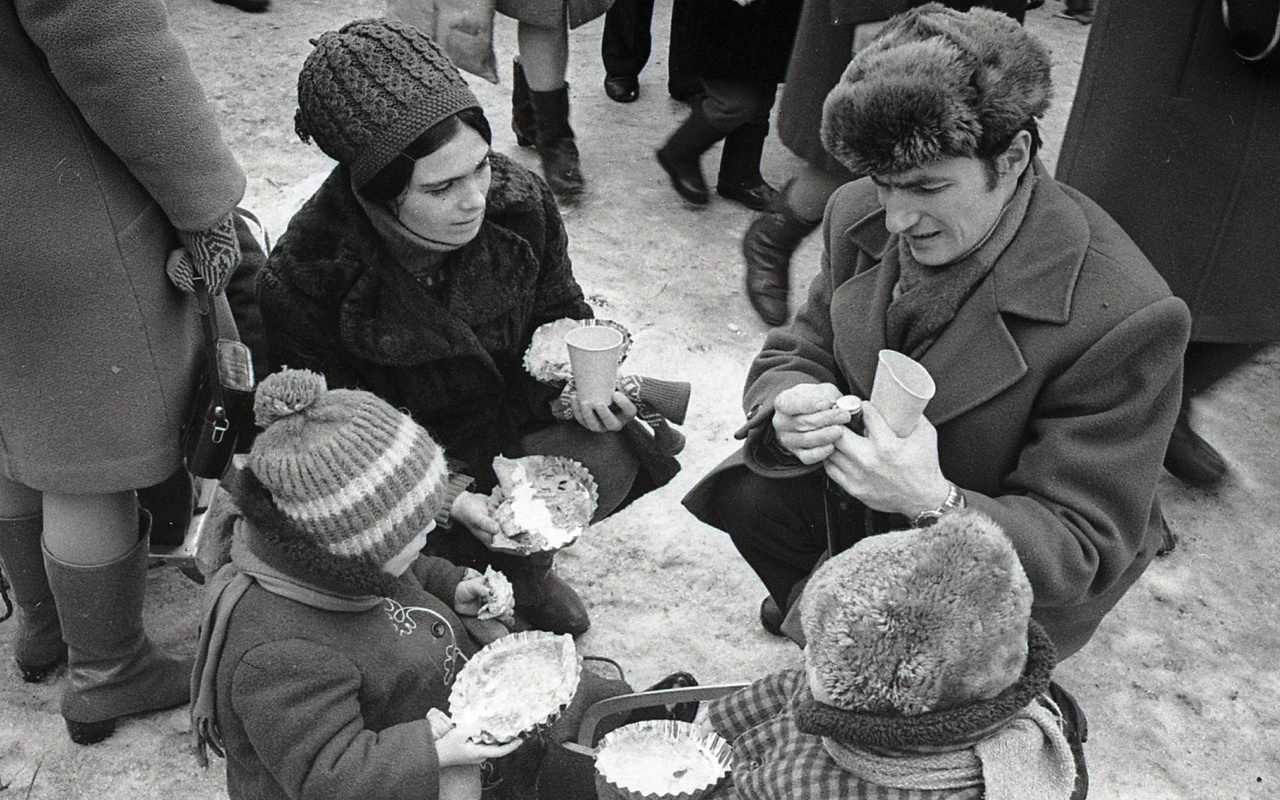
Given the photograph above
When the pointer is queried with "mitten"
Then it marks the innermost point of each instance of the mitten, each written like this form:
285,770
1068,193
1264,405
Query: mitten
213,254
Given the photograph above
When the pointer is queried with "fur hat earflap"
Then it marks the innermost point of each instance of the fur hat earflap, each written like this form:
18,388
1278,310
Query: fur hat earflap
936,83
916,621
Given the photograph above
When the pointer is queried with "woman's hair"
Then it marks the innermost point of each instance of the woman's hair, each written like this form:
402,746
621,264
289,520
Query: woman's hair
391,180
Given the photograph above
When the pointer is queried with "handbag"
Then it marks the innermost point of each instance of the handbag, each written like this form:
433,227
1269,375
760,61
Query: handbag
462,28
224,394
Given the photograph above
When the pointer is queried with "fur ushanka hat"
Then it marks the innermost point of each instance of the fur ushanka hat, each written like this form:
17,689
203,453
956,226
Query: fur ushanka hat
919,621
936,83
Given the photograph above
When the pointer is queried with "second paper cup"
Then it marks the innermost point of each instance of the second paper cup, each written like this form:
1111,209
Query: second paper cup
901,390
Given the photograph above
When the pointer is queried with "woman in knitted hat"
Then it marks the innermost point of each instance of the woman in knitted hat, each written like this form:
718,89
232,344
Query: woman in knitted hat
420,270
924,675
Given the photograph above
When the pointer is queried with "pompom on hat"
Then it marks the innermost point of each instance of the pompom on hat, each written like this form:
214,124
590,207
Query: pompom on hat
359,479
369,89
936,83
918,621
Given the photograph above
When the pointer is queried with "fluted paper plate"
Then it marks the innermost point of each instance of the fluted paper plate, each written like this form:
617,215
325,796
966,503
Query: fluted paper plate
660,760
547,358
515,686
541,503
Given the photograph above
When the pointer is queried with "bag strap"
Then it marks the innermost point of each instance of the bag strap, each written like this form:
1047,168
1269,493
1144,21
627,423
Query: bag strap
209,322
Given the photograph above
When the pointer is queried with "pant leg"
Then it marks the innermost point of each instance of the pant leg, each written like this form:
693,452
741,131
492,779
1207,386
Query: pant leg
1206,363
729,105
627,40
778,525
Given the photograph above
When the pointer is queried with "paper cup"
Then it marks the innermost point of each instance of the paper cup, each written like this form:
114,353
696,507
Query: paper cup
901,390
594,353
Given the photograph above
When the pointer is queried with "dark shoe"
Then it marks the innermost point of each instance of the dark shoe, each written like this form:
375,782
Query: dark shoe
253,7
767,247
113,669
771,616
739,177
681,712
622,89
38,648
562,169
760,197
686,178
1076,728
524,123
1191,458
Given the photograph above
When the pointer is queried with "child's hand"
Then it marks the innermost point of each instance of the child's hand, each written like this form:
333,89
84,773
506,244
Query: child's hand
456,749
471,594
472,510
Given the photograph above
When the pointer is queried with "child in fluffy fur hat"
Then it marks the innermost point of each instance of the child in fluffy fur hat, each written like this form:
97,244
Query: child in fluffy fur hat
924,673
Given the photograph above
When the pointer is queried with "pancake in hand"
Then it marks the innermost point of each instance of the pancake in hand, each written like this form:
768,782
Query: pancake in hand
541,503
515,686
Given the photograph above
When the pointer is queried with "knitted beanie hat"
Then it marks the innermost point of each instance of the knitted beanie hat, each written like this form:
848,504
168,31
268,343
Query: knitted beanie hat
357,477
936,83
370,89
921,620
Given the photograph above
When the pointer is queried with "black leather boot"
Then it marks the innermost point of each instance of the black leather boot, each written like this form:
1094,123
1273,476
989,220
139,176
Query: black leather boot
1191,458
543,599
524,124
740,178
556,145
37,647
767,248
680,156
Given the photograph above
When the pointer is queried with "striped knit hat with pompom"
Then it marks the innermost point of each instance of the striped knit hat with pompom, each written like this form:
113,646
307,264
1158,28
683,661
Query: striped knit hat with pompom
345,467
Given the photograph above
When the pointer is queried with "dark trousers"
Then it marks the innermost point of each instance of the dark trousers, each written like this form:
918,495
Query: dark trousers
778,525
1206,363
627,41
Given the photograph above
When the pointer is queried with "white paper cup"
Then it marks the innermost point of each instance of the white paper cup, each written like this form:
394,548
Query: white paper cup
594,352
901,390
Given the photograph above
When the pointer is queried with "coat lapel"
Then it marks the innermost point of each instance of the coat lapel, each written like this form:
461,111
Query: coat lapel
976,357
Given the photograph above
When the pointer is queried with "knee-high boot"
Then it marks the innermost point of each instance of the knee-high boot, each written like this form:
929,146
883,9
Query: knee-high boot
523,122
38,648
767,247
556,145
543,598
113,669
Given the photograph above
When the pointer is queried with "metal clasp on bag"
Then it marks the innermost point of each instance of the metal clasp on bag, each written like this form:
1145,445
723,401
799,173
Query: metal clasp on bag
220,424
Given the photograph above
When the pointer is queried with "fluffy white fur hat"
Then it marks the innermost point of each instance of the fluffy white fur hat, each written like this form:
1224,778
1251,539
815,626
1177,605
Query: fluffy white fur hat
936,83
920,620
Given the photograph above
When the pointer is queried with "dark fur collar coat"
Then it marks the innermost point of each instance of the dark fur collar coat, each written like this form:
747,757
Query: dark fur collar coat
334,300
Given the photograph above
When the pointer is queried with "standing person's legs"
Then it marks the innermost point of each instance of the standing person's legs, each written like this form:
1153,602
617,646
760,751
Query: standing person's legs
96,559
717,110
544,59
625,47
740,179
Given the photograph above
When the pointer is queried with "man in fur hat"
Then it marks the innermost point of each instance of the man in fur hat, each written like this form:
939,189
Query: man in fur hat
1055,346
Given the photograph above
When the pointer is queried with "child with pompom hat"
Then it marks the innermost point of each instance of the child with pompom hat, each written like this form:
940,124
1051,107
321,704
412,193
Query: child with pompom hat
924,676
328,637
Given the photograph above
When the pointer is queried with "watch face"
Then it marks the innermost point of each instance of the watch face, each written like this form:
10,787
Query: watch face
927,518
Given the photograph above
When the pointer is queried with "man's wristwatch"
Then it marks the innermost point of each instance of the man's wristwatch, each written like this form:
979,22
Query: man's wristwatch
954,502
